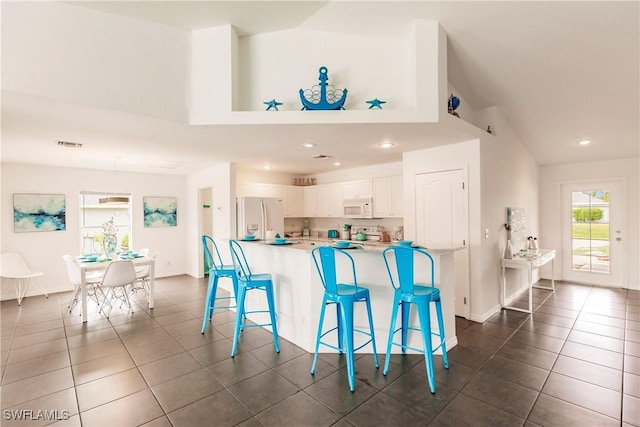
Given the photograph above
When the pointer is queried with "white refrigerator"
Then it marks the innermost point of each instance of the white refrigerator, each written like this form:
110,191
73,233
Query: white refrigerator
256,215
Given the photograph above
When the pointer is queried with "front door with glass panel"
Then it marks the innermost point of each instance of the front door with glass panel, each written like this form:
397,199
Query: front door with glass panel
592,228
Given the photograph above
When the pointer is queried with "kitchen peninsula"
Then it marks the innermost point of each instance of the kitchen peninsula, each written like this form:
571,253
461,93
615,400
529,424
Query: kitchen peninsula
299,290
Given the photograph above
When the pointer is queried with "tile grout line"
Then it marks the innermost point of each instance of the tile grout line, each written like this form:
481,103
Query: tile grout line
559,352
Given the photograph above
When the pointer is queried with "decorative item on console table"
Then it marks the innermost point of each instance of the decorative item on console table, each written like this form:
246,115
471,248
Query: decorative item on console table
508,251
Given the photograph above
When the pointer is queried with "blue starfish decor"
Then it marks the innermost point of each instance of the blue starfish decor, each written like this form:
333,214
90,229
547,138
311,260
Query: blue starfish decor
272,104
376,103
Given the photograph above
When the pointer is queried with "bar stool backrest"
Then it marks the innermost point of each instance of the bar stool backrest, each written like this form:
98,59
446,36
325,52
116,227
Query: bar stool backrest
325,258
239,261
405,258
211,256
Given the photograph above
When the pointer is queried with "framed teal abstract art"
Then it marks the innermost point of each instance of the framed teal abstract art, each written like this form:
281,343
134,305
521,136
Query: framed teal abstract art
160,211
39,212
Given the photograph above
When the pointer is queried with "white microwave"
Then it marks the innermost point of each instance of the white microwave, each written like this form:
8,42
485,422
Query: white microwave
357,208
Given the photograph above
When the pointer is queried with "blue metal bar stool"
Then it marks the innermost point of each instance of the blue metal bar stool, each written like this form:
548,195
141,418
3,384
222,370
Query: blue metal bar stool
249,281
344,296
216,270
407,292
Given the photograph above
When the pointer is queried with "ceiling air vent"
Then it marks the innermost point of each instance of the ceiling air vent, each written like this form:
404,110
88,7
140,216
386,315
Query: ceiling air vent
69,144
320,156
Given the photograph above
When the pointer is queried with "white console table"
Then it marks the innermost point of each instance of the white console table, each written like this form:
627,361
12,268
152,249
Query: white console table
529,262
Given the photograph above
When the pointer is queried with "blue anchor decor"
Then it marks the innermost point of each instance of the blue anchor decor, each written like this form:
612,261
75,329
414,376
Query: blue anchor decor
323,97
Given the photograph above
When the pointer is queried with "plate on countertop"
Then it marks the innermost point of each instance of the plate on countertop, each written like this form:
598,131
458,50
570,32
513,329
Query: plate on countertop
347,247
248,240
288,242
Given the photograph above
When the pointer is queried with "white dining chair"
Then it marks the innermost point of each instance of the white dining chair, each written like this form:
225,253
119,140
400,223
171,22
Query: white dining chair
142,277
92,278
13,267
119,276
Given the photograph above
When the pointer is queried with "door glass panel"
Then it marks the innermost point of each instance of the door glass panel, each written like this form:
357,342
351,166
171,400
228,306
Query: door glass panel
590,231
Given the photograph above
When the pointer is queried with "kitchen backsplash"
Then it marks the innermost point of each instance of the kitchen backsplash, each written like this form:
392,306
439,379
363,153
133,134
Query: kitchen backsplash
322,225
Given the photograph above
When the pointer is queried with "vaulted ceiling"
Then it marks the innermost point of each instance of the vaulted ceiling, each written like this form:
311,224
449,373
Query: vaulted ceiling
559,71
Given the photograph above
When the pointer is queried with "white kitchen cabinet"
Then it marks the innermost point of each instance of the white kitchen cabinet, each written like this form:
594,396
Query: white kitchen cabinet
310,201
294,201
257,189
387,197
329,201
356,189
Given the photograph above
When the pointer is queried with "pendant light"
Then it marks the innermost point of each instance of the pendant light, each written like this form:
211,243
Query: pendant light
114,199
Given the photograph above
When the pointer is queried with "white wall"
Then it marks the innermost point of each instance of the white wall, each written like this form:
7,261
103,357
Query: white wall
246,176
78,54
550,210
221,179
364,172
509,179
357,63
465,156
43,250
211,85
501,173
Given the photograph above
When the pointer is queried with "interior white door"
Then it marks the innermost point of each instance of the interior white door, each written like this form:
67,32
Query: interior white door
593,218
442,222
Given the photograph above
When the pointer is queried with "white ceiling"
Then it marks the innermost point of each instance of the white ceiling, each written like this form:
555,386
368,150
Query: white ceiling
559,72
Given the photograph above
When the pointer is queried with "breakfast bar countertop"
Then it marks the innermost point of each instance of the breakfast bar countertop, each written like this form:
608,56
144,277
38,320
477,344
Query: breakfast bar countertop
309,243
299,291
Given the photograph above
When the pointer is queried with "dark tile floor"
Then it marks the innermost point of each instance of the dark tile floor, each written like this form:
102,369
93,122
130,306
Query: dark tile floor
575,362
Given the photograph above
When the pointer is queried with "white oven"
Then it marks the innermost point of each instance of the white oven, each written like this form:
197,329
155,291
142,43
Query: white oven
357,208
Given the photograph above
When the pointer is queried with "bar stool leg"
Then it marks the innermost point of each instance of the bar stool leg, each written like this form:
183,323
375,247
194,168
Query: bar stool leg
443,344
208,306
272,316
406,311
320,324
394,316
239,315
425,325
347,321
340,326
373,338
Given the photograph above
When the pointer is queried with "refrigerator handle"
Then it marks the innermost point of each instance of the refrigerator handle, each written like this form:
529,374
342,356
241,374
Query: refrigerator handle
263,212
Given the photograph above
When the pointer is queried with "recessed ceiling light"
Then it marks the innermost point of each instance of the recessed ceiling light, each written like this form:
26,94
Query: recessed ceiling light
584,142
386,144
336,163
308,145
266,167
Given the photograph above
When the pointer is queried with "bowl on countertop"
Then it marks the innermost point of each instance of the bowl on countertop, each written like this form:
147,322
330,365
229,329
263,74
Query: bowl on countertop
407,243
280,240
343,243
249,237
